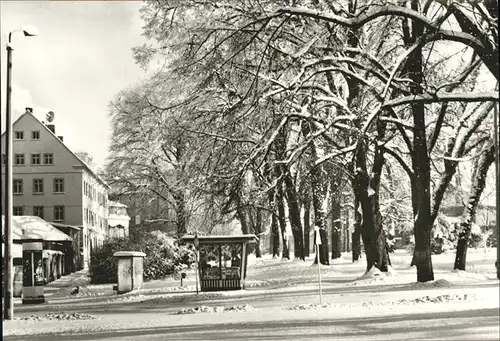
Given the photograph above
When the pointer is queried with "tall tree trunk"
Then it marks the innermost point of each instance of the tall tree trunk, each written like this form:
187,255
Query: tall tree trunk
282,222
336,217
319,187
294,215
420,161
307,227
319,197
346,229
366,194
179,195
275,230
275,235
180,213
356,234
259,231
478,181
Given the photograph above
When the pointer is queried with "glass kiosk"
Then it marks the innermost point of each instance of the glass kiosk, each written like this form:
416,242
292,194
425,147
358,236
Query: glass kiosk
222,261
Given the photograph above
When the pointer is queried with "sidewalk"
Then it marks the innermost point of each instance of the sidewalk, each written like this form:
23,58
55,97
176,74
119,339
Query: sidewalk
67,282
64,285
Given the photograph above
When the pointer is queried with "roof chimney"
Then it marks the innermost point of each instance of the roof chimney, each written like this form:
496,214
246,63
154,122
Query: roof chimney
52,128
30,110
60,138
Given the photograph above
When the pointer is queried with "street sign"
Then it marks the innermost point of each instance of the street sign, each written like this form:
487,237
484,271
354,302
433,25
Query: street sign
317,236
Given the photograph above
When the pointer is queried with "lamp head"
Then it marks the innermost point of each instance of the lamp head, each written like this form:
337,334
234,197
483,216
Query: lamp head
29,30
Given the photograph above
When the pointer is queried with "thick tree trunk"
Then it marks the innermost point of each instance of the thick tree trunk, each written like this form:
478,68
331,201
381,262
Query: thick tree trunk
366,194
275,235
336,219
356,235
294,216
420,161
346,232
282,222
478,181
257,229
180,213
307,227
275,230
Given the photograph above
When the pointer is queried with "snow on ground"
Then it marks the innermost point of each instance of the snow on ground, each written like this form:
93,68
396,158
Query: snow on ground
283,290
216,309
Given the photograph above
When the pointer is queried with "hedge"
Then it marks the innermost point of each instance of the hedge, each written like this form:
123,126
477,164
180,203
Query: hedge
164,257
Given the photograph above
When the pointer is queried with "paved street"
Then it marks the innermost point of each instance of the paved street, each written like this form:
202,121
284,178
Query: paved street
465,325
153,315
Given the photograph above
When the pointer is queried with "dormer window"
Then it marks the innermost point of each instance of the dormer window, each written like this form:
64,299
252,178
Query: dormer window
35,135
19,135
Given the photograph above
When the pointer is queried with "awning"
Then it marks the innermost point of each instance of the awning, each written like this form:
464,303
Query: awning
36,225
47,253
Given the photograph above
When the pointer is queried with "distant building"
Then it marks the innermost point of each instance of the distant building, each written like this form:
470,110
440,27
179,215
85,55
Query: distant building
118,220
52,182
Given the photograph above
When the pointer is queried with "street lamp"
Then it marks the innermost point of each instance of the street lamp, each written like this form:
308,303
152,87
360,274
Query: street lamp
28,31
497,186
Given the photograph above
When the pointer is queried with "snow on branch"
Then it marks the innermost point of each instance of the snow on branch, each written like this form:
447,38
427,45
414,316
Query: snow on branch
443,97
335,154
380,11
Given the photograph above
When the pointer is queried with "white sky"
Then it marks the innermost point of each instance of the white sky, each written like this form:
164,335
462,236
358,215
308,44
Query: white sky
77,64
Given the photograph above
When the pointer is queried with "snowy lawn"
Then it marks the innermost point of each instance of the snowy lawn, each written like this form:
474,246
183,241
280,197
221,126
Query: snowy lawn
282,290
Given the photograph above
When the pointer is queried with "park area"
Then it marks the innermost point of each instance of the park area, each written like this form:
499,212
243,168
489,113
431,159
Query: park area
281,301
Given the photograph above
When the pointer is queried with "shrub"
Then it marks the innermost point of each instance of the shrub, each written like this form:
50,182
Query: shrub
164,257
103,266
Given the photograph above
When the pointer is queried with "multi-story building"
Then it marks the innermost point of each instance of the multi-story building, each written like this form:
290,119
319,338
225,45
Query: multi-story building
52,182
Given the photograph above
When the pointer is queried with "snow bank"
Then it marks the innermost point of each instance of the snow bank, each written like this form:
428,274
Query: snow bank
440,283
56,316
439,299
217,309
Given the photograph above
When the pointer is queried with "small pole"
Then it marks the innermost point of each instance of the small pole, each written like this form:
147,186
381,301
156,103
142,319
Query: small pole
197,272
196,242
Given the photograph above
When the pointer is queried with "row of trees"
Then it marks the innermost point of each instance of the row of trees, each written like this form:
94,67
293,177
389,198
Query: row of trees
260,110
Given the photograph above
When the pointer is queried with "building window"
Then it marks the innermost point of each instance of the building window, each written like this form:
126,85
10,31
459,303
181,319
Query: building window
17,186
37,186
58,185
35,159
38,211
18,210
48,159
19,135
4,159
35,135
58,213
19,159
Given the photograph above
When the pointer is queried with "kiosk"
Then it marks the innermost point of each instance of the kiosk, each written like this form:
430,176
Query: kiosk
33,274
222,260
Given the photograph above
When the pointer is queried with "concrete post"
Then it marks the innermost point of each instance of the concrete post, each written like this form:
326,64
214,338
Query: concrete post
130,270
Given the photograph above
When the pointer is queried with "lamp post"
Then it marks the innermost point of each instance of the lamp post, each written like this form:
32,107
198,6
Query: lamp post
497,186
28,31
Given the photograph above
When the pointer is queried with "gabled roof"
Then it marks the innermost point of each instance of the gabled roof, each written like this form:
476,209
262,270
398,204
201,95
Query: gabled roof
85,165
